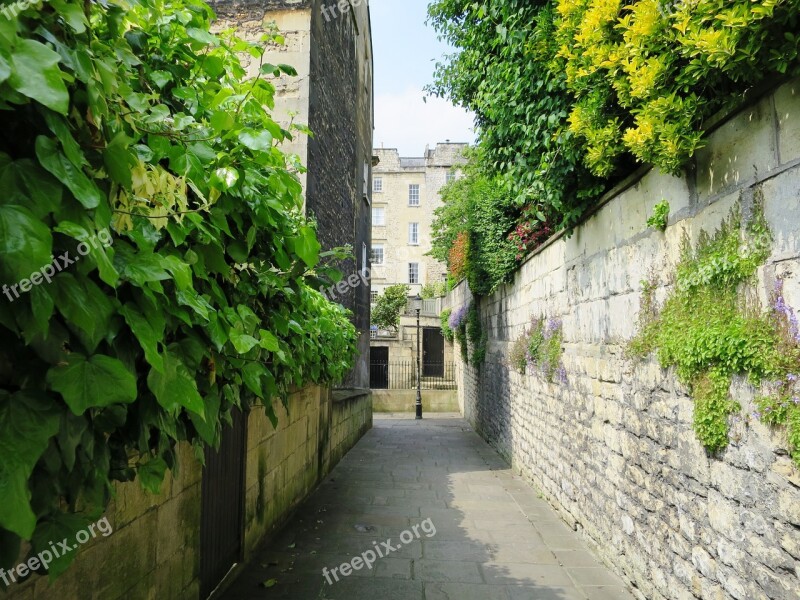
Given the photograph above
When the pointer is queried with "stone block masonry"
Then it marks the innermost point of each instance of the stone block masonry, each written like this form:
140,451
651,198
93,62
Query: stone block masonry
154,550
613,450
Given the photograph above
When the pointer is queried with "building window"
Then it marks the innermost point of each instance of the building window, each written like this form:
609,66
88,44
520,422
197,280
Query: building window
366,179
413,234
377,255
364,268
373,334
377,184
373,296
378,216
451,176
413,194
413,273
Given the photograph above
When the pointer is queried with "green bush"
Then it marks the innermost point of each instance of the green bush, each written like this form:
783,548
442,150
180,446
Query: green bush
134,120
660,216
570,95
476,206
390,304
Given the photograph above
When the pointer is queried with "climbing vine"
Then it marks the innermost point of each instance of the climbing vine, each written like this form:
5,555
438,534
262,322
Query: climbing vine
478,338
458,324
131,119
710,331
444,318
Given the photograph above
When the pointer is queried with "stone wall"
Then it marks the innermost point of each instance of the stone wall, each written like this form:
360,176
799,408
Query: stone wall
404,401
613,449
154,549
340,153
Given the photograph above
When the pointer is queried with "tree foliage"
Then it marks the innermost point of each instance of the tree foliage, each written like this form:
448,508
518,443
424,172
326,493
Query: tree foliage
131,117
386,312
569,95
470,230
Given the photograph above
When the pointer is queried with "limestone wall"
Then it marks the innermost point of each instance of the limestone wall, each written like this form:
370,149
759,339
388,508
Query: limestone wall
613,449
154,549
404,401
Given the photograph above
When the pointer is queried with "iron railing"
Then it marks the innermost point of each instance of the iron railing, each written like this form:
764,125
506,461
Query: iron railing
402,375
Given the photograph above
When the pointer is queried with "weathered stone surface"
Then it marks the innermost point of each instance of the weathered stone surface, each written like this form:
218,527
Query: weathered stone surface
613,449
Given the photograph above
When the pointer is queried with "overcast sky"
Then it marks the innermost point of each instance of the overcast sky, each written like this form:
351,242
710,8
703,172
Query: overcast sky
406,51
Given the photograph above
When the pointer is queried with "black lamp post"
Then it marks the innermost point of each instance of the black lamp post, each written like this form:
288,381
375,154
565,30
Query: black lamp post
418,308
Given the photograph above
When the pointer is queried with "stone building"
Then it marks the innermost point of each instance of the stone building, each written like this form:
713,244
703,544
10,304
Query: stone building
405,194
330,45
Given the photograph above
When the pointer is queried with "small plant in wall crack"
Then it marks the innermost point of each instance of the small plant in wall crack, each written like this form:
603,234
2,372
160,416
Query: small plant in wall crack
540,349
660,216
709,332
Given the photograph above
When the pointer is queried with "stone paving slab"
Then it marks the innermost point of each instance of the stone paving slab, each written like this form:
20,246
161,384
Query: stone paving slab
446,514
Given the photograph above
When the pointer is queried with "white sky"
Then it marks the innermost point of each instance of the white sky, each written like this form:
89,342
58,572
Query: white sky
406,51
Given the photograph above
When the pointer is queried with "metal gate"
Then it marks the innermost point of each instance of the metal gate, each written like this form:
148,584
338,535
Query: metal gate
432,353
379,368
222,512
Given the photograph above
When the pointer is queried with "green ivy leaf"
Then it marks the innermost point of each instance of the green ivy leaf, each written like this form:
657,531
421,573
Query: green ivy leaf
307,246
242,342
151,474
72,14
35,74
84,189
54,529
27,422
176,386
25,243
94,383
269,341
261,140
147,335
119,160
207,428
85,307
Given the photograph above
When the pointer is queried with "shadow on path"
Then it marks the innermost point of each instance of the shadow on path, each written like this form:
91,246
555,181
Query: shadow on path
494,538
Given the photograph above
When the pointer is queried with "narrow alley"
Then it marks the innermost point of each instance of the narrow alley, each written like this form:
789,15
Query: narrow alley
460,525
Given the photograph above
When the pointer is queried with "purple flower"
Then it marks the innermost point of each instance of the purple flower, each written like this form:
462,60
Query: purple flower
786,311
457,316
756,414
791,378
553,325
562,374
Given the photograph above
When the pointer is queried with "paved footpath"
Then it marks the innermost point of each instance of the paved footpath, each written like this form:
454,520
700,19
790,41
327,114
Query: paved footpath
459,524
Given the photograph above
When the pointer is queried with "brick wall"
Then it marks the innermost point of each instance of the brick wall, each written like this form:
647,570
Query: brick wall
613,449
